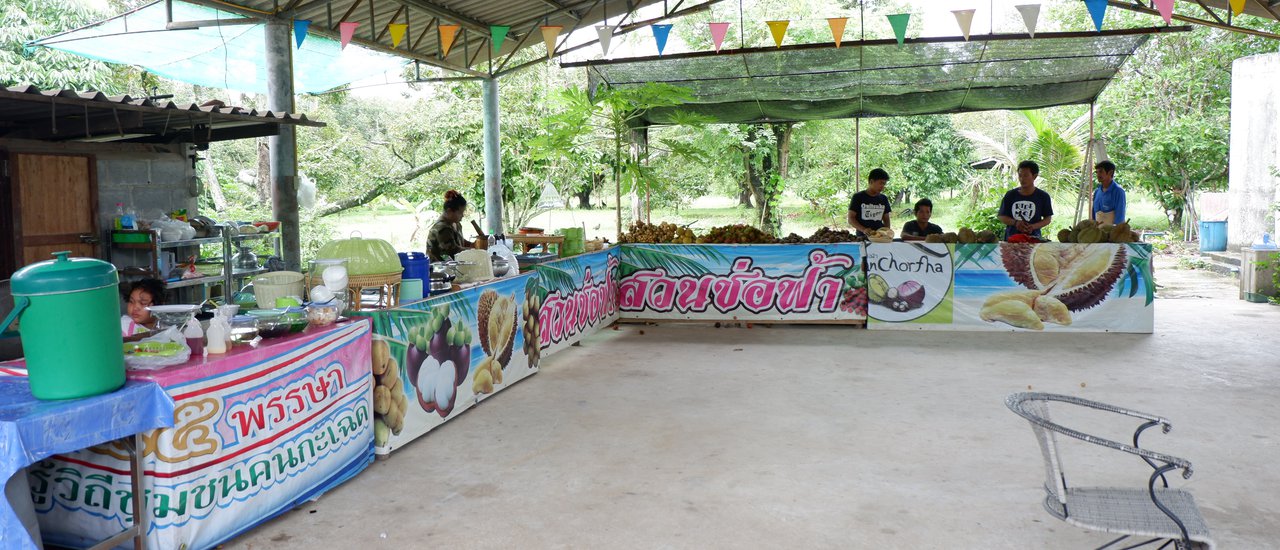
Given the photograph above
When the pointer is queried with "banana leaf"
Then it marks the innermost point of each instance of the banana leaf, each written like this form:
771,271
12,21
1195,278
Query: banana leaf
638,258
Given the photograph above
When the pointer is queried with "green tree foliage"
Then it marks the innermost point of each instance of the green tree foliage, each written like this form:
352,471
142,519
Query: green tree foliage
23,21
938,158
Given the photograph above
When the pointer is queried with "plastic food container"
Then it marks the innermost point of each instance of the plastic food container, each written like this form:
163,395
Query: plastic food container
271,322
244,328
322,314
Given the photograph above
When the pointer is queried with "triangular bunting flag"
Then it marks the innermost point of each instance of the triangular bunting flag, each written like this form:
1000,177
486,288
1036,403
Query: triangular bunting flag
448,33
837,28
1030,16
899,22
549,35
660,34
300,27
397,33
498,33
605,32
964,18
1166,10
1237,6
718,31
346,30
779,31
1097,11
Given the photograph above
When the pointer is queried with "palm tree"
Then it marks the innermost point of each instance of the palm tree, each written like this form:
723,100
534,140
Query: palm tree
1060,154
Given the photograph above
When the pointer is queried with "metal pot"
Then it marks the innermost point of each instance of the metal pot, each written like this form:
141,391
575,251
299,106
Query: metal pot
500,266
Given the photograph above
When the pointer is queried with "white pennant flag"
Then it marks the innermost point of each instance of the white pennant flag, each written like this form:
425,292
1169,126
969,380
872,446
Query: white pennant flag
605,33
964,18
1030,16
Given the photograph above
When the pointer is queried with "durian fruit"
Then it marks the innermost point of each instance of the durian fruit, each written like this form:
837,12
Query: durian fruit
1052,310
1121,233
967,236
950,237
496,320
1079,276
934,238
1106,228
1013,312
1064,236
987,236
1091,235
1084,224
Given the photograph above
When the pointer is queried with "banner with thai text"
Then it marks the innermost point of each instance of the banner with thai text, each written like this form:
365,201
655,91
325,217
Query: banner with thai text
438,357
256,433
1050,287
775,282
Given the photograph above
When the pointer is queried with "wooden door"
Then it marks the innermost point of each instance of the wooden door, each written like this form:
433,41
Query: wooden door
55,206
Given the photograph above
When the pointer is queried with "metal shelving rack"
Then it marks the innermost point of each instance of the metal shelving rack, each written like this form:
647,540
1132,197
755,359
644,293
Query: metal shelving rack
229,241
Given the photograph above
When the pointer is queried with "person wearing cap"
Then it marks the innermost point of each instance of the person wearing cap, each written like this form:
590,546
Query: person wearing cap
869,209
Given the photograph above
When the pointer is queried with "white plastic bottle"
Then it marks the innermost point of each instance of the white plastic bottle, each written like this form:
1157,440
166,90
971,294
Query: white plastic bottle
217,338
195,338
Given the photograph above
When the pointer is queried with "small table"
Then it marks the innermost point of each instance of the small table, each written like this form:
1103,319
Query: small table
530,242
32,430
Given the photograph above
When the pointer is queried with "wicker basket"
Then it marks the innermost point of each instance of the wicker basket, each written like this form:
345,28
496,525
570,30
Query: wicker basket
277,284
388,285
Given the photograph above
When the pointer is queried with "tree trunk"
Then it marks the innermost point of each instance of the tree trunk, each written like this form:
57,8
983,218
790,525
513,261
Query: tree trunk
262,181
584,192
215,188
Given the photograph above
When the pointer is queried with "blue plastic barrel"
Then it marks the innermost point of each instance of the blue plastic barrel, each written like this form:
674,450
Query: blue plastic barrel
416,265
1213,236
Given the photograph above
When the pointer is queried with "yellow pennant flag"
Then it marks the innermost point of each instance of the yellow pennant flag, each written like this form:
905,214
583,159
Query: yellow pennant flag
447,35
397,33
549,34
837,28
779,31
1237,6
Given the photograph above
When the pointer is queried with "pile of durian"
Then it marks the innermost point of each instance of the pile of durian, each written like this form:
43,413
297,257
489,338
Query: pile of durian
1090,232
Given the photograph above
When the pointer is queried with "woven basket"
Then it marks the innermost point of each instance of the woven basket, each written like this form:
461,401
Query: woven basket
388,285
277,284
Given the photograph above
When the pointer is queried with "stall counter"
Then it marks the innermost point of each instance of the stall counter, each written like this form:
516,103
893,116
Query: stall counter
256,432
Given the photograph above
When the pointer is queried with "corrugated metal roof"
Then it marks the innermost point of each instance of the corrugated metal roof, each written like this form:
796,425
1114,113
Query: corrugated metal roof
472,49
28,112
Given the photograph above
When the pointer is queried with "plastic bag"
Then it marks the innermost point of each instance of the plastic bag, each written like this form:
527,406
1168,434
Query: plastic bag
165,348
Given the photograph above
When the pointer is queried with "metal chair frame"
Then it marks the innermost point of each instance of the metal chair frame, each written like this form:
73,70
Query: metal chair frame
1189,529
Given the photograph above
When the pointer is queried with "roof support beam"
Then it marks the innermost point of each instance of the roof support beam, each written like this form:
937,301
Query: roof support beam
1185,19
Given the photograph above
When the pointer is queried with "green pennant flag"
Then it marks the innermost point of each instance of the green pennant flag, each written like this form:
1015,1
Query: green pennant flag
497,34
899,22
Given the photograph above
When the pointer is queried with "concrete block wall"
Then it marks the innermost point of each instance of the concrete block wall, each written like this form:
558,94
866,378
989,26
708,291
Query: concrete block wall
1253,191
152,183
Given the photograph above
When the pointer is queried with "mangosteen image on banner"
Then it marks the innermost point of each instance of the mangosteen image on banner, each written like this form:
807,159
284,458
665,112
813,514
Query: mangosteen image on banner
905,281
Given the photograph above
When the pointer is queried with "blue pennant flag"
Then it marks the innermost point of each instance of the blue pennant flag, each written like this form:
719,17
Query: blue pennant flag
1097,10
300,27
660,33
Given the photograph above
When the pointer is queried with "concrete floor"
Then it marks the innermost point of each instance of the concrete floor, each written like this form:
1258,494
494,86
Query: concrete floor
803,437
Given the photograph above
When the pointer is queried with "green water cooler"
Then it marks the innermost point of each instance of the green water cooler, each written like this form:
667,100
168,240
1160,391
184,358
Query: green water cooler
69,322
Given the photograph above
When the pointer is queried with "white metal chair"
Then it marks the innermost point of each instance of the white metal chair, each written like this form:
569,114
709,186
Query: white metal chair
1163,515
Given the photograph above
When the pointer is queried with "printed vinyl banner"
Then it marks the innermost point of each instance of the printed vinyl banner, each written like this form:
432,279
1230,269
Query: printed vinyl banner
438,357
1059,287
768,282
255,434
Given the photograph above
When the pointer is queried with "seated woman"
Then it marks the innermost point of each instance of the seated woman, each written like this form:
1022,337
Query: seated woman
445,237
919,228
138,320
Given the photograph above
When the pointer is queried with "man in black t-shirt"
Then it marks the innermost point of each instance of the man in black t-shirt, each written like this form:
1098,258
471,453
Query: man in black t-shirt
869,209
1026,209
919,228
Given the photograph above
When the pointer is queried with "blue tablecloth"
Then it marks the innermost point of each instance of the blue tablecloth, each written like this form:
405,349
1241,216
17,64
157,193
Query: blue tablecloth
31,429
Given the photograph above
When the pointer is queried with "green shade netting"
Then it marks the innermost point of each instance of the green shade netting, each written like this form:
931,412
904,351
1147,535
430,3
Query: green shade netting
230,57
817,83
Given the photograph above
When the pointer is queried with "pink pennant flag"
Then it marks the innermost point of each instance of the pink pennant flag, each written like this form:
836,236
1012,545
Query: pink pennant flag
718,31
1166,10
837,28
346,30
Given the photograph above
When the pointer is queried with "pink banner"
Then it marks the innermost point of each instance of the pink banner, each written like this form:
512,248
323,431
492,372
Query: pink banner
346,30
255,432
718,31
